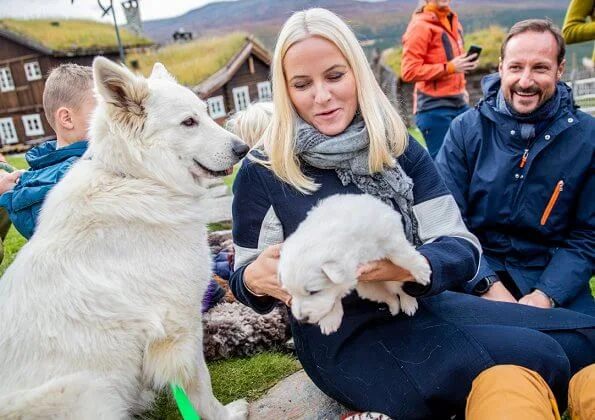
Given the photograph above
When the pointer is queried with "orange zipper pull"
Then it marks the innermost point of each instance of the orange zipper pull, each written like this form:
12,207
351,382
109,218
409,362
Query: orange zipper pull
550,205
524,158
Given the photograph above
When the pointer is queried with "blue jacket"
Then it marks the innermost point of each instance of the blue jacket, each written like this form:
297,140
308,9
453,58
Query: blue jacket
535,220
48,166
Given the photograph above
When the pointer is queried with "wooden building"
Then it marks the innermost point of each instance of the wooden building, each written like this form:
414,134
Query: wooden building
28,51
243,80
228,72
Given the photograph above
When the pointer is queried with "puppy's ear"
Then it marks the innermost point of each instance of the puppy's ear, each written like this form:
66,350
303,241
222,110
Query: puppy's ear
334,272
160,72
119,86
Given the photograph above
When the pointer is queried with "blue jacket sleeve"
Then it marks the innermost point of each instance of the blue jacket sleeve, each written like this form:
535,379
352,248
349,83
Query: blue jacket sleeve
571,266
452,163
452,251
23,204
249,208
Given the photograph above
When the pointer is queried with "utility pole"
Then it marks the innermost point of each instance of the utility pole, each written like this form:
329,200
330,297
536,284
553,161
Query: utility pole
106,10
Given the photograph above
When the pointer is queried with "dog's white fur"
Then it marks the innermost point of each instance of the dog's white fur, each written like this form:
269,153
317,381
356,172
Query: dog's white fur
320,259
103,304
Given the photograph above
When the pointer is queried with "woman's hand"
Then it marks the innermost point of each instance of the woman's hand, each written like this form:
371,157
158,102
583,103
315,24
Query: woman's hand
498,292
260,277
383,270
464,63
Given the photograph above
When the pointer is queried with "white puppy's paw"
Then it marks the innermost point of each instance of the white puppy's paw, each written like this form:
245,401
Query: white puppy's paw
408,304
330,323
237,410
394,306
421,271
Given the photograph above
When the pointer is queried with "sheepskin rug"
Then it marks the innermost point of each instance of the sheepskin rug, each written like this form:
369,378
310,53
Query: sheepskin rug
233,329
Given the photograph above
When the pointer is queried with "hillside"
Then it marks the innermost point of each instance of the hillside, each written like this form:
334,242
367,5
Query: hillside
381,21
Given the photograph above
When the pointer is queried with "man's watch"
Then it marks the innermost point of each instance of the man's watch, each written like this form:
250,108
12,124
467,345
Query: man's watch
484,285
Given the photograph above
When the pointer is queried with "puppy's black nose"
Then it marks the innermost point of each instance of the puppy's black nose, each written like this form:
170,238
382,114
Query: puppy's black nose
240,149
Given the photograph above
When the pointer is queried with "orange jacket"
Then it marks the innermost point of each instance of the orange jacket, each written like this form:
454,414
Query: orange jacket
428,46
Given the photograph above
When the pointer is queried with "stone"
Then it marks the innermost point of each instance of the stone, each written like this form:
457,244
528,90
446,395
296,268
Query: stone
296,397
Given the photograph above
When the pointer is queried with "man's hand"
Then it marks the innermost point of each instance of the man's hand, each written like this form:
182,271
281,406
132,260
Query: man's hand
8,181
538,299
383,270
498,292
260,277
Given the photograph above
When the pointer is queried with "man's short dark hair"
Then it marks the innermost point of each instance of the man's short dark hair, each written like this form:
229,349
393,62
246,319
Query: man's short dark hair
540,26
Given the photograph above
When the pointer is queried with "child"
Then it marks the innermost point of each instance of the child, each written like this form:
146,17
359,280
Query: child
250,124
68,102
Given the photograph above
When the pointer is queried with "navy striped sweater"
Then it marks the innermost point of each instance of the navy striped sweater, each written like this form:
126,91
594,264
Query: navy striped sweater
267,210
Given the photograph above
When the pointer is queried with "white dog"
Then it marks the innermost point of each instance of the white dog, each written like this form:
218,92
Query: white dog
320,259
103,304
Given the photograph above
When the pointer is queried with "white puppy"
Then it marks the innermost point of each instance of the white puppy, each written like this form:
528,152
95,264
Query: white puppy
103,304
319,260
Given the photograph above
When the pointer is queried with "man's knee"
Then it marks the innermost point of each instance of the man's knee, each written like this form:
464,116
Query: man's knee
513,392
581,394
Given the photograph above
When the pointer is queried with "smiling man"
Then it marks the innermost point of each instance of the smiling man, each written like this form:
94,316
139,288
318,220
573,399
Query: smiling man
521,167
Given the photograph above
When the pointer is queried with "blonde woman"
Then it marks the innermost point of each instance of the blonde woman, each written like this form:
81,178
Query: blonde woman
333,131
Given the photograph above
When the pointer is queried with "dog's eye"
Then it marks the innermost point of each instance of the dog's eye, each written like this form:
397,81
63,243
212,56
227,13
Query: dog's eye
189,122
312,292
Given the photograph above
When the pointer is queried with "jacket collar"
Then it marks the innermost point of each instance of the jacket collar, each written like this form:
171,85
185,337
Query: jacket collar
47,154
490,86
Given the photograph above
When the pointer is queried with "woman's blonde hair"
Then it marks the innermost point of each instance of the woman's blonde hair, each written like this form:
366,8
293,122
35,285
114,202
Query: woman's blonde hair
386,130
251,123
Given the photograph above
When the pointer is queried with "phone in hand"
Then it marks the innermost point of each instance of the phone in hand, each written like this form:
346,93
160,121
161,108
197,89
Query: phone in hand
474,49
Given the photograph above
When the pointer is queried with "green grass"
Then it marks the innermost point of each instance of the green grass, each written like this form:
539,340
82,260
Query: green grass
72,34
191,62
489,39
236,378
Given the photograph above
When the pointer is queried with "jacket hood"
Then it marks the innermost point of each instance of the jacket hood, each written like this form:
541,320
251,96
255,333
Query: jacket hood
46,154
490,85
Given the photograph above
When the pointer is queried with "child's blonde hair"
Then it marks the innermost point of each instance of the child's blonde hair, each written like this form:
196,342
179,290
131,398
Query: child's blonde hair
67,85
251,123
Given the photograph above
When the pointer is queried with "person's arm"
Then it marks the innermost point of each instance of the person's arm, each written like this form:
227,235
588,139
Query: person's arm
452,251
576,28
414,65
571,266
256,228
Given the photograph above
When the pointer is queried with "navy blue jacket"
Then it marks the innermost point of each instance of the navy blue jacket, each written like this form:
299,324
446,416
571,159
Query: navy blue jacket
535,220
48,166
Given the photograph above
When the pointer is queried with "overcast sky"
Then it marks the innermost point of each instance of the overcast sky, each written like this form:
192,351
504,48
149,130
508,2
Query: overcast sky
89,9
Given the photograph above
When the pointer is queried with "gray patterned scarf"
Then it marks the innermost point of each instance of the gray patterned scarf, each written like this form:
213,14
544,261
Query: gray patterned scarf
347,154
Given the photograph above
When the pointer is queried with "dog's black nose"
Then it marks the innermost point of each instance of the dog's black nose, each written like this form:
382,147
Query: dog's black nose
240,149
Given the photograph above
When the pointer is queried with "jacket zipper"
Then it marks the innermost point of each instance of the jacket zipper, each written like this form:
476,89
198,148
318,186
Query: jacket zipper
524,159
550,205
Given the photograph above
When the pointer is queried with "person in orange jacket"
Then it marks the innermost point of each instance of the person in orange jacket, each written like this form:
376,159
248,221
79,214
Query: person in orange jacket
434,58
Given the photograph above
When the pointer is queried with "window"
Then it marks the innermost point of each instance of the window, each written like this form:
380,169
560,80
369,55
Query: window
8,134
241,97
264,91
216,106
32,71
6,82
33,126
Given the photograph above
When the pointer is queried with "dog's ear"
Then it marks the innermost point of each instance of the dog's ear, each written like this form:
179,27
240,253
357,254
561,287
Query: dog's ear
119,86
334,272
160,72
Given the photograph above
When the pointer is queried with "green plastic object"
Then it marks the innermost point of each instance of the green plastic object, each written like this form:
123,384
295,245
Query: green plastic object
7,167
184,405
